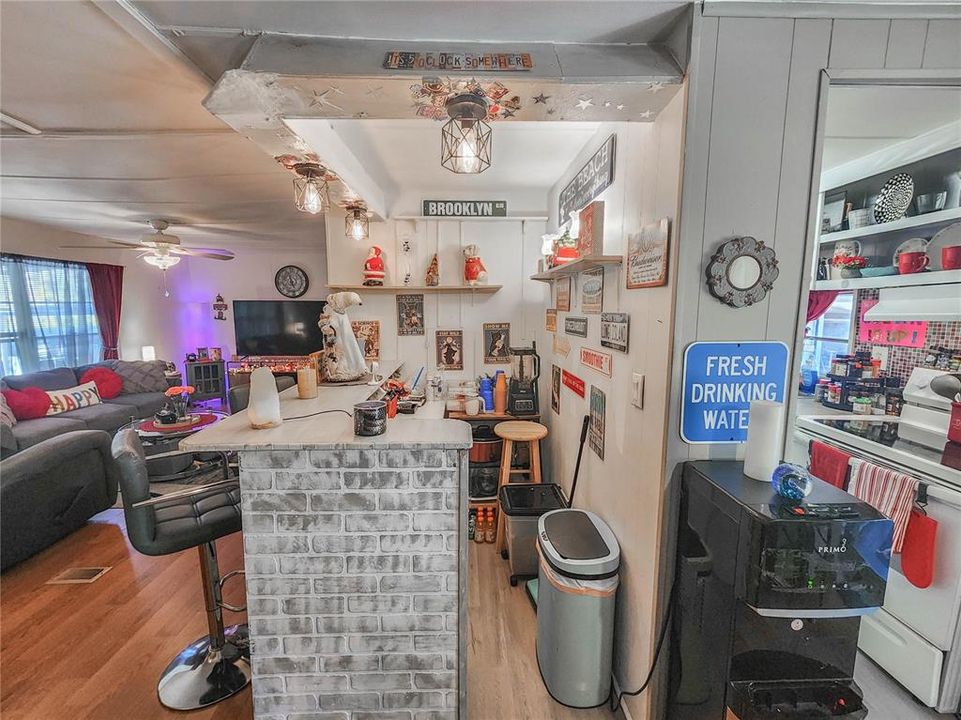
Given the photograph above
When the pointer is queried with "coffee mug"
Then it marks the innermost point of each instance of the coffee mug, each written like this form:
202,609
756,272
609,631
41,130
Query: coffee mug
912,262
951,257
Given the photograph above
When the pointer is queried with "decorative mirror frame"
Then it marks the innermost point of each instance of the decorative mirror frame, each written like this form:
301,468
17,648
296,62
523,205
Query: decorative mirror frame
718,269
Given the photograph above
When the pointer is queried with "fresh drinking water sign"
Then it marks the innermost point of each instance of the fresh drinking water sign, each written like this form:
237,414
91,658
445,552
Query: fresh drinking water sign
720,381
465,208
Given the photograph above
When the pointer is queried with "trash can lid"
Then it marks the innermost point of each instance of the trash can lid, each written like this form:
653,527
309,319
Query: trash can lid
530,499
578,544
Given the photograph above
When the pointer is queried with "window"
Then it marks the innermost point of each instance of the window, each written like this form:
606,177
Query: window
47,315
828,335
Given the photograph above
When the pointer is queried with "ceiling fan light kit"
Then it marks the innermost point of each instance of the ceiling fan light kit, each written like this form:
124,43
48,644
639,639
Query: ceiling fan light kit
311,189
466,138
357,223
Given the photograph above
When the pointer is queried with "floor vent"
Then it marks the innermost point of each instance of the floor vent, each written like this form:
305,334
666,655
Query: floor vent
78,576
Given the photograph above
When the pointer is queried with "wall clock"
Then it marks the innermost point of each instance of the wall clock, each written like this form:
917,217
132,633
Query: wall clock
742,271
291,281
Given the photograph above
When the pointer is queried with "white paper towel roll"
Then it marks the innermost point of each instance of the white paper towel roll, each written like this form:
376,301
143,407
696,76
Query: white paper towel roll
765,439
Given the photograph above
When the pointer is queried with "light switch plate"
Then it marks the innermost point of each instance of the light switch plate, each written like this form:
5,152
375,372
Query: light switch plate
637,390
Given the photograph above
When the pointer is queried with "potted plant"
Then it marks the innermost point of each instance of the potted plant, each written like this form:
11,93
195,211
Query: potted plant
178,398
850,265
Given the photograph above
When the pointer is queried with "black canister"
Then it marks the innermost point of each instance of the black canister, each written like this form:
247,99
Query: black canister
370,418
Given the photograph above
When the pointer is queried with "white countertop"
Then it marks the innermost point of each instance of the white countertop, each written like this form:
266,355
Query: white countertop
333,430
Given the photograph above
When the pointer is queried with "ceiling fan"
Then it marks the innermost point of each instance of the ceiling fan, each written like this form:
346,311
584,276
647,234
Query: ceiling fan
161,250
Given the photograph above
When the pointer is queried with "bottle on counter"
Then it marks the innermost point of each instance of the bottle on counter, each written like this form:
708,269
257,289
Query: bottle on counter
489,535
893,402
500,393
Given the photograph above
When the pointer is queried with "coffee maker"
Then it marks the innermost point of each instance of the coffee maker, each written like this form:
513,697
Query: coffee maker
768,596
522,389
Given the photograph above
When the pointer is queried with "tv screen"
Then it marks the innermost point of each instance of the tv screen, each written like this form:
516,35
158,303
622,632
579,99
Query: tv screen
277,327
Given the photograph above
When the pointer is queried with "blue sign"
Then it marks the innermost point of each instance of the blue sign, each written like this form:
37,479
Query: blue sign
720,381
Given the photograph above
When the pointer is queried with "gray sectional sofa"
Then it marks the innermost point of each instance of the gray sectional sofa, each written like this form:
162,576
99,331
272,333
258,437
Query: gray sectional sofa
108,416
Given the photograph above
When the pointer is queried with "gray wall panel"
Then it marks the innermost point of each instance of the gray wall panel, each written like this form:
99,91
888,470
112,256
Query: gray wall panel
942,49
859,43
906,44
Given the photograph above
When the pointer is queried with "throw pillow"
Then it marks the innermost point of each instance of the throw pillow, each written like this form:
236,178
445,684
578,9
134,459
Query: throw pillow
142,376
73,398
29,403
109,384
6,414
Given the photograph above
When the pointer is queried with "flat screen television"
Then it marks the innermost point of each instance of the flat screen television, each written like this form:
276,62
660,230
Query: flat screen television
277,327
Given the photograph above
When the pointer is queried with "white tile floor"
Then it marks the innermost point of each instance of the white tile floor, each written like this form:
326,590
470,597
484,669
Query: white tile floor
885,698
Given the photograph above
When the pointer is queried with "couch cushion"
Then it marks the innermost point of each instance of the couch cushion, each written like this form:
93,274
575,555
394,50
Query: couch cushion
143,405
30,432
68,400
100,417
56,379
142,376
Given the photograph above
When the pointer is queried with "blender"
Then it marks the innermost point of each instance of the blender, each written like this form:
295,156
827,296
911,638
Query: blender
522,389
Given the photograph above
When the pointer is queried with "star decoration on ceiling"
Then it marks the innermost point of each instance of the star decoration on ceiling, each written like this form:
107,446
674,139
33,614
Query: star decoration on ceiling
656,86
541,99
647,114
336,90
621,106
361,115
321,100
551,111
375,92
607,103
584,103
508,113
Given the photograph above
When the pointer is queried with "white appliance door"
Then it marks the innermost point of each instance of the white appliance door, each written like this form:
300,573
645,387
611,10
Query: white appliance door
912,661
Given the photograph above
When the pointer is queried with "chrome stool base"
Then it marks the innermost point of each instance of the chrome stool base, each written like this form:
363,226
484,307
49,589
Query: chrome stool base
202,675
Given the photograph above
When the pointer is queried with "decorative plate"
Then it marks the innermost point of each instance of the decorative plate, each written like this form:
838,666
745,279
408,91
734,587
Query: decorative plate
947,237
742,272
894,199
291,281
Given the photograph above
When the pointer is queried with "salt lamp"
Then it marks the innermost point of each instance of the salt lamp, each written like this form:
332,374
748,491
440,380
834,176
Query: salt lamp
263,409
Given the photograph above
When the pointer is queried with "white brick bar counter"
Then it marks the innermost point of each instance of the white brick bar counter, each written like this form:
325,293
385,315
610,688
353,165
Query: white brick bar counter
356,561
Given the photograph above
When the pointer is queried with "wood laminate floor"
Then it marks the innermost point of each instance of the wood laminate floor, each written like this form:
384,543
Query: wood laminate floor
95,652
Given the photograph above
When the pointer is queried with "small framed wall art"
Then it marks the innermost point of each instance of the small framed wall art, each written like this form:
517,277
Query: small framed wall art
597,429
550,320
615,331
592,291
497,340
647,255
556,389
562,290
576,326
450,349
410,314
367,333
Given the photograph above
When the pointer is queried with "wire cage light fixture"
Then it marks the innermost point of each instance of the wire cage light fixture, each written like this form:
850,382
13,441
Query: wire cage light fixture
311,191
466,139
357,222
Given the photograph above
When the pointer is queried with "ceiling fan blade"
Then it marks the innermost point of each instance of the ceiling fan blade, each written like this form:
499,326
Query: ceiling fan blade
123,246
211,253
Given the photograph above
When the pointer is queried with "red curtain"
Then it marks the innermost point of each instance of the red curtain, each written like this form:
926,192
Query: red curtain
107,284
819,301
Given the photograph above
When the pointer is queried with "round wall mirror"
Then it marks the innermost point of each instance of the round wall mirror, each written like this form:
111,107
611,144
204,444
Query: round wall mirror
742,271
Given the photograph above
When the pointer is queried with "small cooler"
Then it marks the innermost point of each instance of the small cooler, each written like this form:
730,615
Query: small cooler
522,505
577,579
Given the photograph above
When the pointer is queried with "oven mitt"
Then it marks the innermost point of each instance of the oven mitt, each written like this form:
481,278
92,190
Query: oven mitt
917,554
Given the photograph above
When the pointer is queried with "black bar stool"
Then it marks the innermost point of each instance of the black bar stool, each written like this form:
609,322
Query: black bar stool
217,665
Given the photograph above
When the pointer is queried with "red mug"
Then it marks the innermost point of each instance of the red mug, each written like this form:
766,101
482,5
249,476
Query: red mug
912,262
951,257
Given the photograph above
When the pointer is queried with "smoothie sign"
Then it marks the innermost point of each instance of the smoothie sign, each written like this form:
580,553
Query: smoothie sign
720,381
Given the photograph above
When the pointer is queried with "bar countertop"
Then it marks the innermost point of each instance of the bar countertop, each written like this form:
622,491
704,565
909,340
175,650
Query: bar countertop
305,429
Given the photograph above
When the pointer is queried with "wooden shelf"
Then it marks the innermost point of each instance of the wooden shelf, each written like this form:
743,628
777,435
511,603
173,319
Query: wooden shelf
577,266
928,221
941,277
398,289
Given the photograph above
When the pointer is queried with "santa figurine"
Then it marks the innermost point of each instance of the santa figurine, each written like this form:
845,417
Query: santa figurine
374,267
474,271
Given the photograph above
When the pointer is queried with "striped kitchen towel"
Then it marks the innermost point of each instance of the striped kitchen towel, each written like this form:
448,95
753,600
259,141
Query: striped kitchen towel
890,492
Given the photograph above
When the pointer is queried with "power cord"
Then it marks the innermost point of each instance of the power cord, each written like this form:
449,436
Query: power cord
321,412
615,696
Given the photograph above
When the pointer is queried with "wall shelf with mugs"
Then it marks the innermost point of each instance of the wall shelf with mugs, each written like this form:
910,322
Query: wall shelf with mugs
908,226
397,289
942,277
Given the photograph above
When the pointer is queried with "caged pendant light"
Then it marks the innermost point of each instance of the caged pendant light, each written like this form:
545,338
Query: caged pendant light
311,192
357,223
466,139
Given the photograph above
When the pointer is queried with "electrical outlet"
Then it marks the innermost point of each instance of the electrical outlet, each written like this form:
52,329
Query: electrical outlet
637,390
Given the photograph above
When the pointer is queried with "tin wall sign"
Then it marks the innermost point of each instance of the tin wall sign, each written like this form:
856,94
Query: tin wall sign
550,320
590,181
576,326
573,382
562,346
458,62
720,381
615,331
465,208
601,362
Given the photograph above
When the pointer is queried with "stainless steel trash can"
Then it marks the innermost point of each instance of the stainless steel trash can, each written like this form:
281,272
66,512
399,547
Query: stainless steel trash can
522,505
577,581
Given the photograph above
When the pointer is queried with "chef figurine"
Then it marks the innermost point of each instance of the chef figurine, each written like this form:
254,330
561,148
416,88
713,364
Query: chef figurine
474,271
374,267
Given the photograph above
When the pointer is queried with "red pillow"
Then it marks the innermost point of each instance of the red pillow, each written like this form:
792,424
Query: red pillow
109,384
29,403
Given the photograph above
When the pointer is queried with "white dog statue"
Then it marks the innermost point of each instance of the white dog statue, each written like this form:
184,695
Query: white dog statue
341,359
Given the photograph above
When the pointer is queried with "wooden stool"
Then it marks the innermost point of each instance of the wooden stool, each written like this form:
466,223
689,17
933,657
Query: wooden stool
511,432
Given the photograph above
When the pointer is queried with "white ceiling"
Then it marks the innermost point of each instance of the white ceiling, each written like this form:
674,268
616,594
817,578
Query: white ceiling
126,139
528,155
864,119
